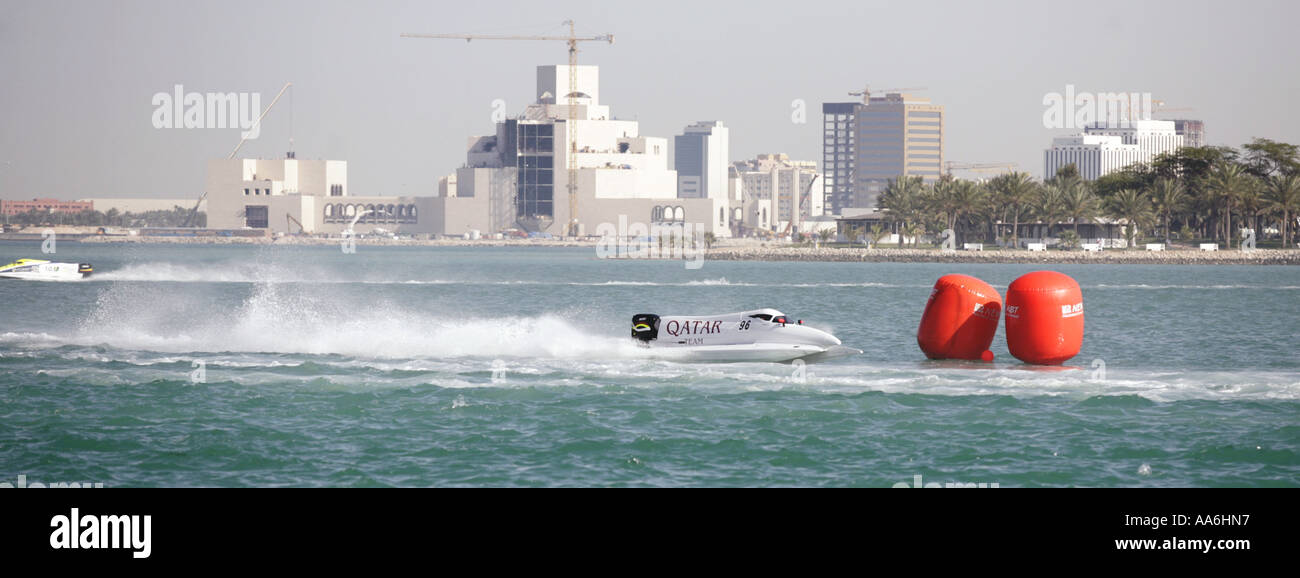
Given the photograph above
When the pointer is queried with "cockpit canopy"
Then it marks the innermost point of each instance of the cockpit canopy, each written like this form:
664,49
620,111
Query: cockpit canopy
771,315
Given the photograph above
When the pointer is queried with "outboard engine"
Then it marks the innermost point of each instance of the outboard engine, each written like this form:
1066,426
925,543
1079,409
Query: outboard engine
645,326
85,269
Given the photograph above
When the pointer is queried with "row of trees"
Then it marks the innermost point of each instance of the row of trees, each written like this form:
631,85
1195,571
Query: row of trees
176,217
1201,192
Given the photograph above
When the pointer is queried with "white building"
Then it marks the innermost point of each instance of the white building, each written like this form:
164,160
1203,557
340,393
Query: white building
701,157
290,196
772,185
1152,137
620,173
1102,149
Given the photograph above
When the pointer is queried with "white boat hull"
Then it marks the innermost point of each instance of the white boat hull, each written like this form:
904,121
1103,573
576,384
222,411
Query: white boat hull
36,270
754,352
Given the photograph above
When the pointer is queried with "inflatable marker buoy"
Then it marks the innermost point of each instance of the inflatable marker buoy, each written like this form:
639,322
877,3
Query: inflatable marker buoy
960,319
1044,318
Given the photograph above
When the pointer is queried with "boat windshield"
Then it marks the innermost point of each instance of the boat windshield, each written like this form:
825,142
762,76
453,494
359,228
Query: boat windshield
782,319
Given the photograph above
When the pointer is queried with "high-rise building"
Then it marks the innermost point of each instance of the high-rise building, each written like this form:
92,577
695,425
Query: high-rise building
1192,131
839,154
897,134
864,145
1104,148
701,158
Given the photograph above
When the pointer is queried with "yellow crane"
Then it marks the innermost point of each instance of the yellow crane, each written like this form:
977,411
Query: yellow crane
865,93
572,39
289,221
1160,108
977,167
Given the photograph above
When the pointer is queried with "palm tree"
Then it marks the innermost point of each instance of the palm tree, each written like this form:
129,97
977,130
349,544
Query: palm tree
1250,203
1227,184
1169,196
966,198
1133,206
1079,201
1283,195
1014,190
1069,239
913,230
878,232
1048,206
903,200
943,200
825,235
852,235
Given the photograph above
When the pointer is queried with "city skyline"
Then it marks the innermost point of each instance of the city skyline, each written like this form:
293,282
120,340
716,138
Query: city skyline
400,110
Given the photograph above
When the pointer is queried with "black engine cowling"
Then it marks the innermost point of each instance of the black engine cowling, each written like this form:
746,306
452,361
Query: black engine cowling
645,326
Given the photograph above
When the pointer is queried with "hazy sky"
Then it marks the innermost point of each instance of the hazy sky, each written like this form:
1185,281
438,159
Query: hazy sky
78,77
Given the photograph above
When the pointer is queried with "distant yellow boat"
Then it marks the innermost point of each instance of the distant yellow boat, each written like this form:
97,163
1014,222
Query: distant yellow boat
41,270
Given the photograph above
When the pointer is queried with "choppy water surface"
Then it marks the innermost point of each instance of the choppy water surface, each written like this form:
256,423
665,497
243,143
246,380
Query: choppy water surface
305,366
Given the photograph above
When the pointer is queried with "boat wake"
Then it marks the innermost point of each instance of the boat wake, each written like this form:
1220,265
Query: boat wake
313,336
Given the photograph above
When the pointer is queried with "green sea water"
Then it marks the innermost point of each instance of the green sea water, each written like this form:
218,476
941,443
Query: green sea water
307,366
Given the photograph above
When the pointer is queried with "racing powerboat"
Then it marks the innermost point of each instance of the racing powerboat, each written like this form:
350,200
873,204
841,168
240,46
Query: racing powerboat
39,270
759,335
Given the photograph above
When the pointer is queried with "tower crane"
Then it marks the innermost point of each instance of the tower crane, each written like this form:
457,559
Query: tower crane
1160,108
865,93
978,167
571,127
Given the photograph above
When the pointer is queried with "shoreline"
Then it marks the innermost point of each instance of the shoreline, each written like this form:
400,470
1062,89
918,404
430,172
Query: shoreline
733,251
1113,256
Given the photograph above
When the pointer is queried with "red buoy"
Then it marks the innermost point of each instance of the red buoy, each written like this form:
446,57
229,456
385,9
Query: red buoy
1044,318
960,318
